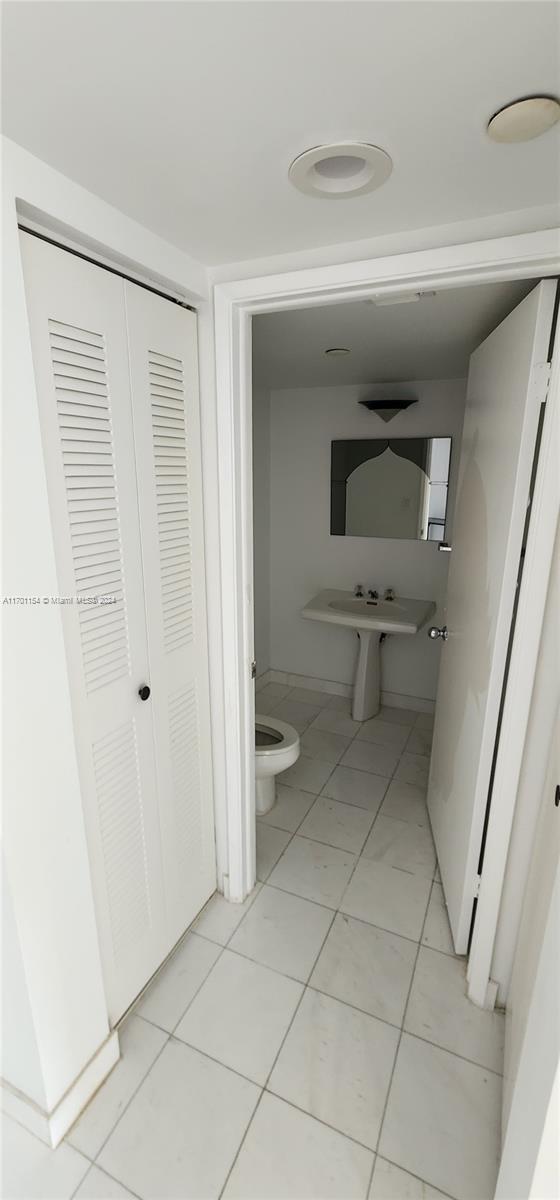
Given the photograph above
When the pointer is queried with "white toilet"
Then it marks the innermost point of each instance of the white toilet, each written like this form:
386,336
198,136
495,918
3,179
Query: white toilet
276,749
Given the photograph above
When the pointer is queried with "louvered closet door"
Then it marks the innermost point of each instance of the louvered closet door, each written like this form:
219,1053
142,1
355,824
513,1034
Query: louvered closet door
78,331
164,375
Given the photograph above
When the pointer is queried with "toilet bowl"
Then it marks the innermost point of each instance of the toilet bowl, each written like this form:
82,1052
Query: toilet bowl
276,749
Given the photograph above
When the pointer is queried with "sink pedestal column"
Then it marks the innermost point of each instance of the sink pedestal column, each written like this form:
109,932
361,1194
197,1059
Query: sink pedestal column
366,698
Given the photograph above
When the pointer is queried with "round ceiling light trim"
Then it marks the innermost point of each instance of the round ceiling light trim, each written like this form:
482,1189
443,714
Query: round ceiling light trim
524,119
340,169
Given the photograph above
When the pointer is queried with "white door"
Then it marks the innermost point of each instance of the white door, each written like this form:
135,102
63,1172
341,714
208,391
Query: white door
505,390
164,377
78,322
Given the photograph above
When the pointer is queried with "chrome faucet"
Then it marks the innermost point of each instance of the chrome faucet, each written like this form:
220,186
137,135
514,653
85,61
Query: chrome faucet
373,594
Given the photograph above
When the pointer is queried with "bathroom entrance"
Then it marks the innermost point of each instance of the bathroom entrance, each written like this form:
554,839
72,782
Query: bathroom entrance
310,404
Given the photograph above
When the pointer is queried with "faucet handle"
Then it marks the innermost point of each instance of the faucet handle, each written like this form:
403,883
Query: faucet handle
389,594
359,590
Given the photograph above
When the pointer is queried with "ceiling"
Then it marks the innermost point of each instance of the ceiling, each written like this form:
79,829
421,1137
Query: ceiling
430,339
186,115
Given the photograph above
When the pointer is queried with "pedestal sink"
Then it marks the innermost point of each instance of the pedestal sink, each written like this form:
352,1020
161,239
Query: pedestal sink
371,619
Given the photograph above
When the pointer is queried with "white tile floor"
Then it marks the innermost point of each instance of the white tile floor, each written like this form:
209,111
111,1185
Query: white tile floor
315,1042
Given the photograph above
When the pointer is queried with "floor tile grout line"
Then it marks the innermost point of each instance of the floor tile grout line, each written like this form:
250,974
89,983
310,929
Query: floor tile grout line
218,1061
179,1041
128,1103
330,845
326,783
358,859
6,1116
294,1014
388,1093
413,725
360,920
348,1003
168,1038
306,988
84,1176
321,1121
437,1046
252,896
241,1144
280,856
383,1157
285,892
171,1032
224,946
310,986
109,1176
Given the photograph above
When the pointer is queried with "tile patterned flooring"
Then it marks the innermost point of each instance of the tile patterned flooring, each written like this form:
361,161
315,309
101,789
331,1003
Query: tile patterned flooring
315,1042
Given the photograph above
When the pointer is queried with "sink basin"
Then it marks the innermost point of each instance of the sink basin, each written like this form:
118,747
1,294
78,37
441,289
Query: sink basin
401,615
371,619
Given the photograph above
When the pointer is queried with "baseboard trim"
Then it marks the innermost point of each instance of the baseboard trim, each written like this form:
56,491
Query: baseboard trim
262,679
290,679
331,687
416,703
52,1126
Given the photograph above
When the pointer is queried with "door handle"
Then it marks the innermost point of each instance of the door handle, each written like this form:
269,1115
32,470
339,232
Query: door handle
144,691
434,633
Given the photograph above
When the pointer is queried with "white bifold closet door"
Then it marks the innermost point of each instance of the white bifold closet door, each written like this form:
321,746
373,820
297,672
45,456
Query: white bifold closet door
116,374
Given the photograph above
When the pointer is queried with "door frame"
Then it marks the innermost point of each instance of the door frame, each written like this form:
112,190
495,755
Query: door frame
525,256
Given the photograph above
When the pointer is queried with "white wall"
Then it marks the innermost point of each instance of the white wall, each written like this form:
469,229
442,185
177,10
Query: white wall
497,225
20,1055
261,526
305,558
55,941
532,1025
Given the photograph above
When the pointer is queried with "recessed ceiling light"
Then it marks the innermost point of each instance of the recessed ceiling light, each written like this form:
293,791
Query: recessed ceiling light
524,119
340,169
337,351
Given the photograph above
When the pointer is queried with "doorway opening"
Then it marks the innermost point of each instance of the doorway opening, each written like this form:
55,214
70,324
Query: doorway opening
235,305
357,456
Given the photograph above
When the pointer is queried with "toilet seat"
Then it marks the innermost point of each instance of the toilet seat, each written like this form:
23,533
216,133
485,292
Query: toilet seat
279,750
286,736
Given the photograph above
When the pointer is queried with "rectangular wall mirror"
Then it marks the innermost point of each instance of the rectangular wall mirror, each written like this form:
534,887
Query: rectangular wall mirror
390,487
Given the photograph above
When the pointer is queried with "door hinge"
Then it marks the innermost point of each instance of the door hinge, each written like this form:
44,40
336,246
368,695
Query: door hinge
477,887
541,381
254,669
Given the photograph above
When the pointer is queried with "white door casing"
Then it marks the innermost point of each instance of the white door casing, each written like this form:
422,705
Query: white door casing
78,329
504,395
164,377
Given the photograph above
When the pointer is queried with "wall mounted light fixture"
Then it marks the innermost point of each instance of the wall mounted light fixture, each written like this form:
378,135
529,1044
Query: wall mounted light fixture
387,409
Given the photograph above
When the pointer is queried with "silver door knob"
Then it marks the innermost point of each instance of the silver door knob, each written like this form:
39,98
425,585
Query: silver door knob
435,633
